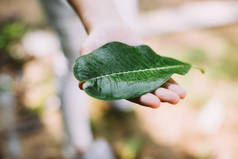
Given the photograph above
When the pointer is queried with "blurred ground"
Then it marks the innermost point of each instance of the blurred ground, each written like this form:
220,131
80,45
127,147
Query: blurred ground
202,126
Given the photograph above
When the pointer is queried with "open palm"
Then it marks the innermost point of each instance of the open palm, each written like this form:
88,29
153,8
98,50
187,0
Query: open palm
170,92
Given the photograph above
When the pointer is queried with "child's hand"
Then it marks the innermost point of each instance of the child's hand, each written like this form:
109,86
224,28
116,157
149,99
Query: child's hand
170,92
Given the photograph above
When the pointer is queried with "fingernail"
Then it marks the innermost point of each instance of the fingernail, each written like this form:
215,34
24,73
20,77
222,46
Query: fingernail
178,90
150,100
166,95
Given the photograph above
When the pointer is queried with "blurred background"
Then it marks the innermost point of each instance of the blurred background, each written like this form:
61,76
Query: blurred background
202,126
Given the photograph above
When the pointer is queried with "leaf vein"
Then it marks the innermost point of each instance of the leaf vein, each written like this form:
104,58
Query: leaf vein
142,70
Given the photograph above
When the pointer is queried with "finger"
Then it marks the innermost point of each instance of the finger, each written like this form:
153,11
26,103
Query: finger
89,45
148,100
166,95
175,87
86,48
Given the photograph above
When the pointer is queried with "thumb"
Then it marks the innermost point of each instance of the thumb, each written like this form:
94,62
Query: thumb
89,45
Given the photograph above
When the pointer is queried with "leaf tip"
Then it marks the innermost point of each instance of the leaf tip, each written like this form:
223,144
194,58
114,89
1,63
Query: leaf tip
199,68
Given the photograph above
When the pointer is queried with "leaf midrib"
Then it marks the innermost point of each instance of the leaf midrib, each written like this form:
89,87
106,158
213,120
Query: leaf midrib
141,70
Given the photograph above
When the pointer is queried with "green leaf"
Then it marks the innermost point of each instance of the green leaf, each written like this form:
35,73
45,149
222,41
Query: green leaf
119,71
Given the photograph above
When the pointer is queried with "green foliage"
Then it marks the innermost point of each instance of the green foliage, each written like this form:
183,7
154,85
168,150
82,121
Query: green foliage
228,66
10,33
35,111
196,55
119,71
130,148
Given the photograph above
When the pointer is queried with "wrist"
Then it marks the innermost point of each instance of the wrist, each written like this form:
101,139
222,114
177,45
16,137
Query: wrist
106,23
107,26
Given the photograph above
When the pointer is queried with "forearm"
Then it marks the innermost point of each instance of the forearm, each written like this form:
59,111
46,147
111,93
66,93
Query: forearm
94,13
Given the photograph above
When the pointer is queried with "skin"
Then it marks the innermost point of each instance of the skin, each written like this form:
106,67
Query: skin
104,25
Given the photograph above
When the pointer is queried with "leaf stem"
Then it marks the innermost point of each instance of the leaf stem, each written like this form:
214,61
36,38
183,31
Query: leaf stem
198,68
81,85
